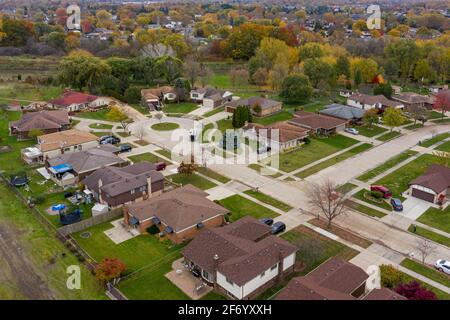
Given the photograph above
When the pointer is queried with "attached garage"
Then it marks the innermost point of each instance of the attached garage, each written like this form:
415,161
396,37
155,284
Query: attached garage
423,195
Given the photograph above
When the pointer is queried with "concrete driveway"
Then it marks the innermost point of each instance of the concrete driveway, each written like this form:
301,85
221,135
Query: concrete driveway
413,208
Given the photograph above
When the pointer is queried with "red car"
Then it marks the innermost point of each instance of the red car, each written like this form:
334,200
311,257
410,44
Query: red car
385,191
161,166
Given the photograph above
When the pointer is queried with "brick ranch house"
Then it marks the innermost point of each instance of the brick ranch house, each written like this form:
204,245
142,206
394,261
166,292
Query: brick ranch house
266,106
114,186
45,121
433,186
73,101
317,123
179,214
240,260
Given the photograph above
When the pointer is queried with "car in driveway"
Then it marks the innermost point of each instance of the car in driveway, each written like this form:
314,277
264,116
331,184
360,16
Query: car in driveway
160,166
268,221
382,189
278,227
109,140
125,148
443,266
352,131
396,204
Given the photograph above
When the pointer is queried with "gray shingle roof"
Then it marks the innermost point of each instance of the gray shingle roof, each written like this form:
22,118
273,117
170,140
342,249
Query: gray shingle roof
343,111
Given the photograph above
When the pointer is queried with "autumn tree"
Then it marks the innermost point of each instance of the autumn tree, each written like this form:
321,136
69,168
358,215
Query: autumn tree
189,167
415,291
393,117
169,68
109,270
34,133
370,117
318,70
442,102
238,77
260,77
327,200
116,114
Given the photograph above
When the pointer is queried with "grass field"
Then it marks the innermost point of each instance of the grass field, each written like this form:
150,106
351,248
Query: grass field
269,200
398,180
436,218
241,207
258,167
387,165
24,93
332,161
318,148
388,136
165,126
414,126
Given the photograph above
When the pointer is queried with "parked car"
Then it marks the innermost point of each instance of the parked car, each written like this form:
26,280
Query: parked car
268,221
443,266
125,148
351,130
396,204
385,191
160,166
278,227
109,140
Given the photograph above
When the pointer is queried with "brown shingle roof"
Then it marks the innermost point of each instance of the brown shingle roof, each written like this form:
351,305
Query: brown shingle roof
244,248
286,132
64,139
264,103
335,279
436,178
42,120
155,93
116,181
383,294
412,97
371,100
315,121
71,97
180,208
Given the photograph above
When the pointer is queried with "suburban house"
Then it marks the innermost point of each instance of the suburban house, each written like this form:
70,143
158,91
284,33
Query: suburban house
114,186
240,260
70,168
44,121
74,101
366,102
210,97
346,93
259,106
351,114
317,123
179,214
54,144
433,186
335,279
154,98
435,89
412,99
280,136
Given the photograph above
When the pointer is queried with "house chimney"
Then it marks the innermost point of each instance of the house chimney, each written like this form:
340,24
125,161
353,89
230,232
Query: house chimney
216,261
100,185
149,186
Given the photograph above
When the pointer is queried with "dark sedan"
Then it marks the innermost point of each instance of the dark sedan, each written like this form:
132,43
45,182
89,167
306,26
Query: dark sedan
268,221
278,227
396,204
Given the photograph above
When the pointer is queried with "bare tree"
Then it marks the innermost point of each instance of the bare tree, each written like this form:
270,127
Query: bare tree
192,69
327,200
425,248
205,76
159,116
157,50
417,112
238,77
140,132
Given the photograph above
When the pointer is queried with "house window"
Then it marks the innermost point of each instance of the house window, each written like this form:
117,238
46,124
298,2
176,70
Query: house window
66,149
263,274
132,191
229,281
75,147
274,267
80,147
195,95
205,274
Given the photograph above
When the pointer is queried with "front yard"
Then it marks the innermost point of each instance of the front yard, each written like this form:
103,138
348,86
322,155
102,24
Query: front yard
193,179
370,131
277,117
150,157
389,136
182,107
439,219
318,148
240,207
269,200
96,115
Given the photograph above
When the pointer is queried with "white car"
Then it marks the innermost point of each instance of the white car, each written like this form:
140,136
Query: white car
352,130
443,266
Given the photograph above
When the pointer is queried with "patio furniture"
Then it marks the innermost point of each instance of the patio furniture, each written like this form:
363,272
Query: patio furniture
178,271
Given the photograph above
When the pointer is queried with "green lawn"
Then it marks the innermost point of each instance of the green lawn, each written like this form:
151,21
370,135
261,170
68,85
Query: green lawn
360,195
101,126
414,126
426,271
164,153
241,207
143,251
398,180
436,218
429,142
96,115
193,179
277,117
213,175
366,210
388,136
332,161
269,200
150,157
444,147
313,250
140,108
346,187
183,107
23,92
432,115
38,245
318,148
205,131
442,121
258,167
213,112
224,124
436,237
387,165
370,131
165,126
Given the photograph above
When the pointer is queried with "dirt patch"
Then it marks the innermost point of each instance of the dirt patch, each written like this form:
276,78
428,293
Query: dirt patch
342,233
24,275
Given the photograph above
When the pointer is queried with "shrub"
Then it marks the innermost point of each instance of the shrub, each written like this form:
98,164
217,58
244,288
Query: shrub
390,276
307,140
38,200
153,229
132,95
376,194
415,291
